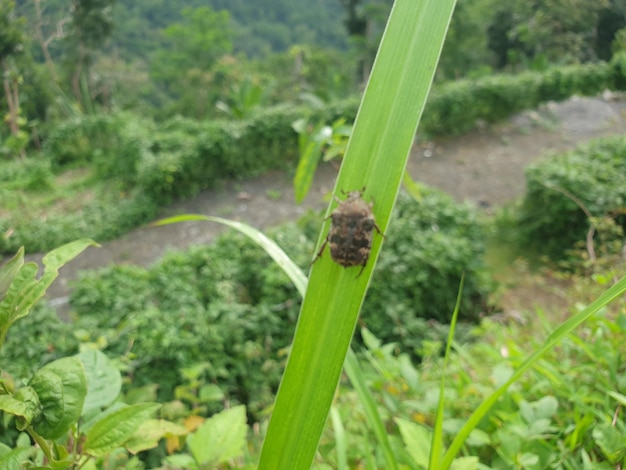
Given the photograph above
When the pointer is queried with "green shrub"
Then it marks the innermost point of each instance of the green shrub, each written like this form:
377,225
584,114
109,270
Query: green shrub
558,84
456,107
618,67
33,174
429,245
112,143
35,340
103,219
189,156
230,305
592,175
227,304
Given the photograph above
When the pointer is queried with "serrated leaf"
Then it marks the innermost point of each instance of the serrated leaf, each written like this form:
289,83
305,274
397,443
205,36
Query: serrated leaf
219,438
611,441
416,440
25,290
115,429
104,381
24,405
9,270
16,458
61,388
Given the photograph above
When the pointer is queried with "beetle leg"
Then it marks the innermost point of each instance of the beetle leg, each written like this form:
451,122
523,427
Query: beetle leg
319,253
362,268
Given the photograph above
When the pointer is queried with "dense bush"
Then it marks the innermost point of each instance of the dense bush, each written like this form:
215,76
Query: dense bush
113,143
189,156
429,244
230,305
35,340
457,107
592,175
33,174
105,218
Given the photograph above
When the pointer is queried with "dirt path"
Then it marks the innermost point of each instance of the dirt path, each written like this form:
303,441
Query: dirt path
483,167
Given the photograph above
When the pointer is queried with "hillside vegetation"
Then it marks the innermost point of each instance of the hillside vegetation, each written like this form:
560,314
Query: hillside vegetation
115,110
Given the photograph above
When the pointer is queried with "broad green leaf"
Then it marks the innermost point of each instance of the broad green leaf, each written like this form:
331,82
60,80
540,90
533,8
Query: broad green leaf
61,388
115,429
465,463
416,440
611,441
24,405
219,438
16,458
104,381
25,290
151,432
181,461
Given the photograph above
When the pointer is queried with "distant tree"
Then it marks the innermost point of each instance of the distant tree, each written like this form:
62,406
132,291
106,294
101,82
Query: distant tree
540,32
465,49
90,26
185,68
11,44
365,21
611,20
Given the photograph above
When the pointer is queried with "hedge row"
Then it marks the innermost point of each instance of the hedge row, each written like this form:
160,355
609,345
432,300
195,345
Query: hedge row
560,189
178,158
182,156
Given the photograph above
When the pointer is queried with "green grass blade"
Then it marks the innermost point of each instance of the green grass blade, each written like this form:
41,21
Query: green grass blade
375,159
341,445
555,337
369,405
278,255
437,440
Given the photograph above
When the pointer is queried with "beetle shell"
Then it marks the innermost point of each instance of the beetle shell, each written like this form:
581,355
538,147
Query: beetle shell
351,232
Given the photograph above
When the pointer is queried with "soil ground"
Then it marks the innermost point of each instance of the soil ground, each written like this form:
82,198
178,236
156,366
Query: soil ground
485,167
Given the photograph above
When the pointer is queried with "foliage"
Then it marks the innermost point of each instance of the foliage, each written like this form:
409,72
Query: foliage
113,143
465,52
189,156
68,399
555,415
104,218
32,173
559,31
430,244
11,34
184,69
564,191
179,157
252,308
456,107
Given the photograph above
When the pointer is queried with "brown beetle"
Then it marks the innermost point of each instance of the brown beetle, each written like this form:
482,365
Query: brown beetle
351,232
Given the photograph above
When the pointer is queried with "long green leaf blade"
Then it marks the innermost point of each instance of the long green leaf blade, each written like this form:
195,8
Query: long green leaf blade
271,248
375,159
555,337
